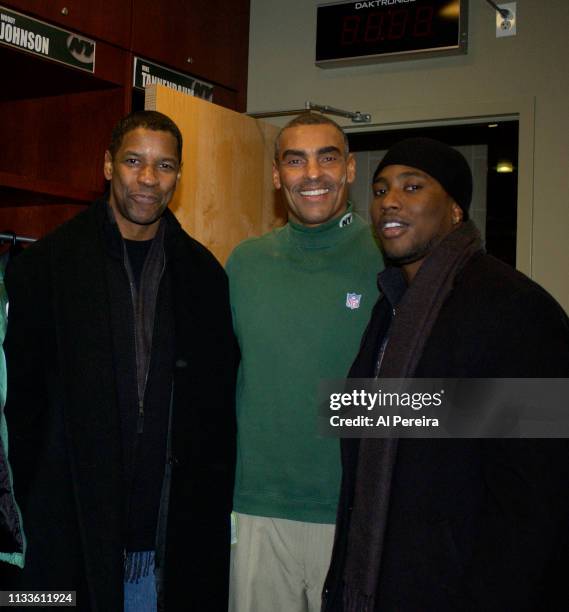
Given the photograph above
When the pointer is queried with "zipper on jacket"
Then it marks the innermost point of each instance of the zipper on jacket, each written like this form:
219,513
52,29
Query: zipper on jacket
382,349
134,300
140,418
135,296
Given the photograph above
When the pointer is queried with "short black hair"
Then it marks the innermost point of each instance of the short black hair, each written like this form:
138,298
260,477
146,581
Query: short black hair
309,118
149,120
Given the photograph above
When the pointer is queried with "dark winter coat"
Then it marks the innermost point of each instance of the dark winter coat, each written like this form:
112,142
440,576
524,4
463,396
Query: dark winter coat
477,525
65,438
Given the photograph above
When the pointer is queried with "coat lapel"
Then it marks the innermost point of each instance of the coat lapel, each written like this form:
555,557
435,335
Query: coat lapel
92,420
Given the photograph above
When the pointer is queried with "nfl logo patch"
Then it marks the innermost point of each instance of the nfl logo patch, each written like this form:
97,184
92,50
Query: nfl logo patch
353,300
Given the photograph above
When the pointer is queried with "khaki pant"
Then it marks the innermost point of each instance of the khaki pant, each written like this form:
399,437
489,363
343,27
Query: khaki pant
278,565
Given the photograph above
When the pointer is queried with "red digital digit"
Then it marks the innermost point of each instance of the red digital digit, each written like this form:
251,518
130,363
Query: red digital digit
423,21
350,29
374,28
397,24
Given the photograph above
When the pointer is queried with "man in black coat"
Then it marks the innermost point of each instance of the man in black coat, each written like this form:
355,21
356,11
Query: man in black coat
464,524
121,368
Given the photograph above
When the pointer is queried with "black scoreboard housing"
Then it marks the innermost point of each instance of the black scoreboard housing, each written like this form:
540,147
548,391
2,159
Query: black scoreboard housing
352,33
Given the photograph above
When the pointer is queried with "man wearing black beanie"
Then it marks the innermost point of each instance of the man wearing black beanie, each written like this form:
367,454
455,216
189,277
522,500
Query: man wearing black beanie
447,525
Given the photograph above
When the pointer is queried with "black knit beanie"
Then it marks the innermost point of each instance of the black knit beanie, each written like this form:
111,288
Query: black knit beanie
443,163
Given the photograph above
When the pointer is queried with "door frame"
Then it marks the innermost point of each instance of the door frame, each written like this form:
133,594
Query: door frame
522,109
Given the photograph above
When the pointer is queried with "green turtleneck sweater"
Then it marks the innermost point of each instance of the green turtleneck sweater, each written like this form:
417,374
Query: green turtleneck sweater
289,299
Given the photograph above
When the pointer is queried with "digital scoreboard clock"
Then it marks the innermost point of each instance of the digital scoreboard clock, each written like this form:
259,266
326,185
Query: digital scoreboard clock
350,33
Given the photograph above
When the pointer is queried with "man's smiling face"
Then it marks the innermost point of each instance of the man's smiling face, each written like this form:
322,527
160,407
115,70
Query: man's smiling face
313,171
411,213
143,173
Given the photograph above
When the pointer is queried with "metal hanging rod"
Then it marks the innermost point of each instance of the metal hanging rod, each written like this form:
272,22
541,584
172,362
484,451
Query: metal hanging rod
12,237
505,13
356,117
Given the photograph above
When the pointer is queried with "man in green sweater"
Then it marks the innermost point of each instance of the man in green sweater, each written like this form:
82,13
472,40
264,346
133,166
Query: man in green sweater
301,297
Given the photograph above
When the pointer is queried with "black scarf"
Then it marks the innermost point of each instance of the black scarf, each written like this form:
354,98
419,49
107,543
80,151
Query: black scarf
410,328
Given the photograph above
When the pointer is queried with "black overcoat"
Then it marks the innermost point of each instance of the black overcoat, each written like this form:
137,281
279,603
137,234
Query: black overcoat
473,524
65,441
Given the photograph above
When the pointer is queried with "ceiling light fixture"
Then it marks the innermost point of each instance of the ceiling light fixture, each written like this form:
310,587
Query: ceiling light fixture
504,166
